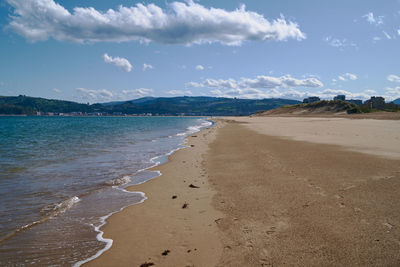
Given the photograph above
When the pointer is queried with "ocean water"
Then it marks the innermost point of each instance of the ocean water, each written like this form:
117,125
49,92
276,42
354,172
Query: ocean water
61,177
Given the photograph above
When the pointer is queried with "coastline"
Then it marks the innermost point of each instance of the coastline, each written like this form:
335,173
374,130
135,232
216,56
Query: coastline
190,234
265,200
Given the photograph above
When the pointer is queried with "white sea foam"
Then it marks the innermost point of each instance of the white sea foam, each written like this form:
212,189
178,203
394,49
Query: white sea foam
194,129
61,207
118,181
99,237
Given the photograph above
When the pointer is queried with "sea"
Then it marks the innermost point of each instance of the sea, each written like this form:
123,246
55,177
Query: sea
62,177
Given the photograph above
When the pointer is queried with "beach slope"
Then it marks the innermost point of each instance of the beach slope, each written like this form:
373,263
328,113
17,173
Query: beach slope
310,192
298,203
175,225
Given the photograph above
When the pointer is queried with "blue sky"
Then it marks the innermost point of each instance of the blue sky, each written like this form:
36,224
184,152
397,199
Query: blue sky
98,51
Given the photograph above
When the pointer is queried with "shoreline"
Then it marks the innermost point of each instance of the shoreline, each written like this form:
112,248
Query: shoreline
153,168
192,149
263,200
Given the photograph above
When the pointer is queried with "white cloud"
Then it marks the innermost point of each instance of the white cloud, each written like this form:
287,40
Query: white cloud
104,95
179,23
147,67
179,92
211,83
393,93
347,76
376,38
340,43
398,31
370,91
95,95
136,93
199,67
56,90
120,62
372,19
283,81
393,78
259,82
330,93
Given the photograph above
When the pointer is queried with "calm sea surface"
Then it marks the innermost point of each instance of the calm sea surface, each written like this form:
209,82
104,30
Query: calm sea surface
60,177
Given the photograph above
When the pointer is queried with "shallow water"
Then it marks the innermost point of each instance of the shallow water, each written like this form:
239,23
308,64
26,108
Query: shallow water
59,177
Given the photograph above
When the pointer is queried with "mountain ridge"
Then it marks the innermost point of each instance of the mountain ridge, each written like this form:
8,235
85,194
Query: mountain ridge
182,105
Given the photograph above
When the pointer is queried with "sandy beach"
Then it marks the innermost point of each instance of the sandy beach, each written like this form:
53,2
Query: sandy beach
272,192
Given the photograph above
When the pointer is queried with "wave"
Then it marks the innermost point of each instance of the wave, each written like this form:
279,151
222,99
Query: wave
48,212
60,207
118,181
194,129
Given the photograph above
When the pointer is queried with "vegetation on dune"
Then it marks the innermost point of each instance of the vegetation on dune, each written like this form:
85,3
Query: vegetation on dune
332,106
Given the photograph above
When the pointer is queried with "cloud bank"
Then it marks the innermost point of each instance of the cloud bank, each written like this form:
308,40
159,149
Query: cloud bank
259,82
120,62
285,87
291,94
103,95
179,23
179,92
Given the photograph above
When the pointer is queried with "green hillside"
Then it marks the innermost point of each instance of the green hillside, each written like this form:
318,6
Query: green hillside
155,105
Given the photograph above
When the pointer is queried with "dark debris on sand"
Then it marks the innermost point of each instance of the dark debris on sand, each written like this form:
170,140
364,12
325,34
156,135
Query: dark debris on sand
146,264
165,253
193,186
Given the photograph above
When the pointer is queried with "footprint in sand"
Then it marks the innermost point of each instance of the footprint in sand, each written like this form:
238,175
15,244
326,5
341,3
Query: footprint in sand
389,226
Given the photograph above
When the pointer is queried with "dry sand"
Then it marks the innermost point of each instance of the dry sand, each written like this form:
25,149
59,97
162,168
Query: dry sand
269,201
377,137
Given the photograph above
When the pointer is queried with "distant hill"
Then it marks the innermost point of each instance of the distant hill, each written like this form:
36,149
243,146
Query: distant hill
29,105
199,105
397,101
196,106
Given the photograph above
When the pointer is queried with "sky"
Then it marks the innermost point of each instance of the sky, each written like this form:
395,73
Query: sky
112,50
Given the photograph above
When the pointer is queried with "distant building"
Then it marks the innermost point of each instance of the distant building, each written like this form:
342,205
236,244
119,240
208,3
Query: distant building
355,101
340,97
377,102
311,99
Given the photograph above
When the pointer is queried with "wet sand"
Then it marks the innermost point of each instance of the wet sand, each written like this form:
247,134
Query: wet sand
265,200
189,236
